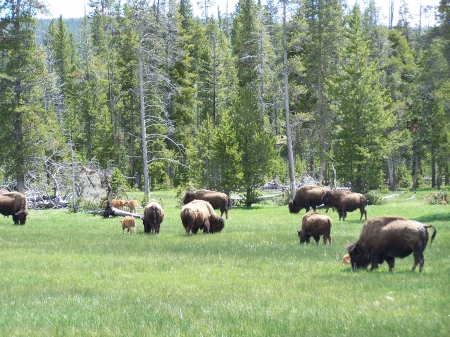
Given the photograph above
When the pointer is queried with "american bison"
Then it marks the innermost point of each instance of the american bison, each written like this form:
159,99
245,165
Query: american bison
315,225
15,204
128,223
387,237
132,205
345,201
199,214
307,197
346,259
117,203
153,216
216,199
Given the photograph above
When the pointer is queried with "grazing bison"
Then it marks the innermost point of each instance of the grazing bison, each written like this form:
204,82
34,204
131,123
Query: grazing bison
153,216
315,225
345,201
129,223
15,204
387,237
307,197
216,199
199,214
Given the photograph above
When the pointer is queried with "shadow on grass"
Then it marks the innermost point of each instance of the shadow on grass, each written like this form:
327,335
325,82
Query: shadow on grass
430,218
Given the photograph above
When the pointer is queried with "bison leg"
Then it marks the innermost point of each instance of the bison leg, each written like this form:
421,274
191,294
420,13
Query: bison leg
391,263
326,238
317,239
374,259
363,212
418,258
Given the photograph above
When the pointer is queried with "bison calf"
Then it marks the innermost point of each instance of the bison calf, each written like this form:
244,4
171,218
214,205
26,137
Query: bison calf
346,259
132,205
315,225
128,223
387,237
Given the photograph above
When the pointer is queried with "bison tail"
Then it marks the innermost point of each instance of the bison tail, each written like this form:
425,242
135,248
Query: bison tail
434,232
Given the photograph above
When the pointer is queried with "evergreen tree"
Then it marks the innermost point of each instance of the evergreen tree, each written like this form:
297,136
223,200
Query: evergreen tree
22,67
321,53
256,145
362,110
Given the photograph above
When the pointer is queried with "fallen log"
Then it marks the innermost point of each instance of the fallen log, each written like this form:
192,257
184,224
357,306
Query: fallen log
112,211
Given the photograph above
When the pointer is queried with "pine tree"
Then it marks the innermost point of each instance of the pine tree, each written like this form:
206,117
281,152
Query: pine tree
22,67
256,144
362,110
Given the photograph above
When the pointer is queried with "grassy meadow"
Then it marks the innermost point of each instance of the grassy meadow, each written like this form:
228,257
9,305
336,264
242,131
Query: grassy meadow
65,274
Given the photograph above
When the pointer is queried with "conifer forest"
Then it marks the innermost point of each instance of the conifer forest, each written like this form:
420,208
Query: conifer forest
226,101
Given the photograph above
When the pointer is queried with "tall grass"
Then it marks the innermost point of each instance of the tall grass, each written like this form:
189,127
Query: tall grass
65,274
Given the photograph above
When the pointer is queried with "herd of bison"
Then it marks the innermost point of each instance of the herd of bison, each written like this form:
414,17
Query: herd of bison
382,238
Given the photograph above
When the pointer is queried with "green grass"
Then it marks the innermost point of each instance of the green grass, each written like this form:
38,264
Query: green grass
65,274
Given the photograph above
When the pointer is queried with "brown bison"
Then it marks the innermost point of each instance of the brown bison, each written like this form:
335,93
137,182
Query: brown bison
307,197
128,223
15,204
315,225
132,205
117,203
346,259
216,199
345,201
153,216
199,214
387,237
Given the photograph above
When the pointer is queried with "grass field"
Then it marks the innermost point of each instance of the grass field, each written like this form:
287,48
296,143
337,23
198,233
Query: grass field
65,274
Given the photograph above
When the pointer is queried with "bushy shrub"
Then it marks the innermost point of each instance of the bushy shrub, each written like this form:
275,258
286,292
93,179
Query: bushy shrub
438,197
375,197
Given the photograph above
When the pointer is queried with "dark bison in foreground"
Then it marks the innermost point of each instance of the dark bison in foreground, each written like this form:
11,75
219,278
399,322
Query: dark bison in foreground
345,201
315,225
153,216
307,197
15,204
216,199
199,214
387,237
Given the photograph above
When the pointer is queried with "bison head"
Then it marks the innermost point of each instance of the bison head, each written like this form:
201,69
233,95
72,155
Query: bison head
21,217
293,207
217,225
188,197
358,256
325,198
304,237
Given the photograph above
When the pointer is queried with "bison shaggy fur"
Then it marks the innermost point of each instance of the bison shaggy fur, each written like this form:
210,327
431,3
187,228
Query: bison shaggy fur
128,223
307,197
345,201
199,214
153,217
217,200
15,204
315,225
386,237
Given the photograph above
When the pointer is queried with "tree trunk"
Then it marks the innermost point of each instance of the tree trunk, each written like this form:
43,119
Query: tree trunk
143,126
286,108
